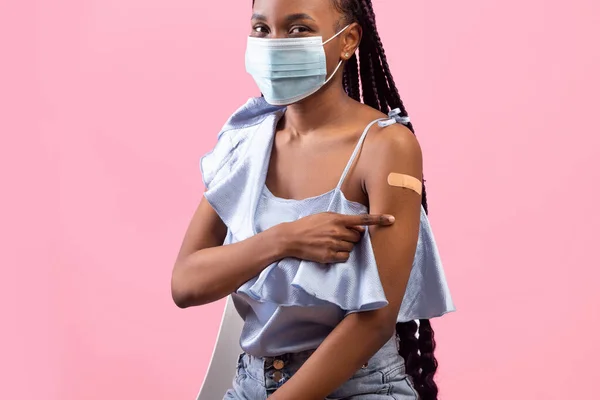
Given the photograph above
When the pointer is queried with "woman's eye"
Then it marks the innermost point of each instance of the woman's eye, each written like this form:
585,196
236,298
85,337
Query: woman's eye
261,29
299,29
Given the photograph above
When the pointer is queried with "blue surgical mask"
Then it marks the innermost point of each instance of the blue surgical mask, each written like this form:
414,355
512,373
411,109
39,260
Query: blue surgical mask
288,70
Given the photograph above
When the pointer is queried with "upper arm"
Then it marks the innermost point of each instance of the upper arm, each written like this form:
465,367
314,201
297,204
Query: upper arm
206,229
394,150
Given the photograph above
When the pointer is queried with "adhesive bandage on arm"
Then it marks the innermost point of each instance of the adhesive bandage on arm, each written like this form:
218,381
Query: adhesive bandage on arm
405,181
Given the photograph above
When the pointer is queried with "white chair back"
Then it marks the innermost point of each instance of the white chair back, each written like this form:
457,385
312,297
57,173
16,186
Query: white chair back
222,367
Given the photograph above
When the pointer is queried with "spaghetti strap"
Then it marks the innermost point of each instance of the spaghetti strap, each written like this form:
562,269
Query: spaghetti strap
356,151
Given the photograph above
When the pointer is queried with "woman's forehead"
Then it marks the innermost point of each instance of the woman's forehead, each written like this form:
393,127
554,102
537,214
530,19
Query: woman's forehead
319,10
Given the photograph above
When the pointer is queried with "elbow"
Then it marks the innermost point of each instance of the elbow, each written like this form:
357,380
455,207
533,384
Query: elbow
378,325
385,329
184,292
185,297
388,331
383,325
181,298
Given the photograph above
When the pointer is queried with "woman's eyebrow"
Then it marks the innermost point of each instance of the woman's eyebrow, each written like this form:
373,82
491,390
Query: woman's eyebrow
298,16
258,17
289,18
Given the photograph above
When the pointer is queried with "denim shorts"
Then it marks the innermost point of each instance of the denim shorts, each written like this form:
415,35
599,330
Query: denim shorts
383,377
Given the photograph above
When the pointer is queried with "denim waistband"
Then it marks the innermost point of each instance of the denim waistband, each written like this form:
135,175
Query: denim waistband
272,372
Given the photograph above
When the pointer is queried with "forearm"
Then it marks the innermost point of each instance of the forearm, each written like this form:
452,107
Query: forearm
349,346
212,273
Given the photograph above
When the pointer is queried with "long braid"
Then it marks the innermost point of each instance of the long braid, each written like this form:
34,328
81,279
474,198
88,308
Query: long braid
351,78
379,80
379,91
365,65
346,82
429,363
409,349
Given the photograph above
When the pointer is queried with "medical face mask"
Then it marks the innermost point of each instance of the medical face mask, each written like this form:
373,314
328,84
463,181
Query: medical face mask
288,70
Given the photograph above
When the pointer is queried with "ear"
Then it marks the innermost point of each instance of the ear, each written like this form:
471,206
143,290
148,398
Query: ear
351,40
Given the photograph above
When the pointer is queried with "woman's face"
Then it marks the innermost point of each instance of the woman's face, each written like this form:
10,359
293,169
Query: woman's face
278,19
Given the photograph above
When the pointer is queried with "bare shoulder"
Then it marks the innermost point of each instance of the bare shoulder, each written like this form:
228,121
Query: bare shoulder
392,148
394,139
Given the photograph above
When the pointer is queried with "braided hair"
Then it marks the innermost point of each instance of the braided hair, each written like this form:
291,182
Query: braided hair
367,78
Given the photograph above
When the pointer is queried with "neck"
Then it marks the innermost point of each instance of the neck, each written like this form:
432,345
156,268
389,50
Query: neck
326,107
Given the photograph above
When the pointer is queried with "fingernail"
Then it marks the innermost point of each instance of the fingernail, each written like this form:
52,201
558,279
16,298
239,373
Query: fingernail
391,218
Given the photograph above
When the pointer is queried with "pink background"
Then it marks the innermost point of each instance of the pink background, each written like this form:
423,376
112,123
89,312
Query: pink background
107,105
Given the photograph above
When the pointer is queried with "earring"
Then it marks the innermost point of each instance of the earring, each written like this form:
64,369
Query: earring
347,55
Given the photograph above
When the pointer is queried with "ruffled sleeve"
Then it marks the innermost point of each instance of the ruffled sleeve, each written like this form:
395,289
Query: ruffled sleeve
217,164
221,170
427,293
221,160
229,170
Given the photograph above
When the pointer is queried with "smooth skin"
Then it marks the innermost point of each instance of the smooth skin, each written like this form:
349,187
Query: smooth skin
313,142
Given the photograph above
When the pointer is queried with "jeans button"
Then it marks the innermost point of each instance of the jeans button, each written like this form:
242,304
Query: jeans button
278,364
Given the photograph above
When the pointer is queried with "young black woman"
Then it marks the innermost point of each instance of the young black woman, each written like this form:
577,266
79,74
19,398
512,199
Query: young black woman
314,217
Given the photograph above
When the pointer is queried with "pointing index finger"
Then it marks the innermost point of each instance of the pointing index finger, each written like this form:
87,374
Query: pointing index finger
369,219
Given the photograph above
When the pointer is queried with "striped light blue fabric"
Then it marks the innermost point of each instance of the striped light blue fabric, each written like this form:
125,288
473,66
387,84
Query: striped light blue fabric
292,305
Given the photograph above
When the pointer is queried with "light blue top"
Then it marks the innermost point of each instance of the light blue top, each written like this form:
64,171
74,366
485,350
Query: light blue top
292,305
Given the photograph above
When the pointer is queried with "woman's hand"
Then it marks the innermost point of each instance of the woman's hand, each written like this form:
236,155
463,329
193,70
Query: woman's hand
328,237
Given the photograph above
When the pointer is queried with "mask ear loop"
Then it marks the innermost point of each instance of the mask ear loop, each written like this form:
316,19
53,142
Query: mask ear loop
333,73
336,35
340,63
